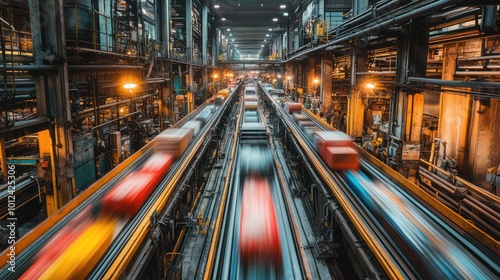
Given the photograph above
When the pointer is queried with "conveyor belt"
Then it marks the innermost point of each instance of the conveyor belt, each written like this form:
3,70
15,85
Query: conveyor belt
132,235
469,256
227,260
128,243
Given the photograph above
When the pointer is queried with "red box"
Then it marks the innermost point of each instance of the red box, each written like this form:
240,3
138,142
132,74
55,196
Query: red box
341,158
291,107
332,139
126,198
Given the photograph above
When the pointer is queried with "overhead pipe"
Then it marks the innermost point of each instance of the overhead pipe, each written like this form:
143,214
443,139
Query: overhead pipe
475,58
375,10
89,112
377,73
470,92
462,34
103,67
477,73
29,67
106,124
451,203
445,185
478,67
421,11
455,19
479,191
474,203
24,82
492,85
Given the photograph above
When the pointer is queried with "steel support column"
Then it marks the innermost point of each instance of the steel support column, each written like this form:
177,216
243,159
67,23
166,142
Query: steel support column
356,108
204,43
189,31
164,27
3,159
53,87
412,61
326,77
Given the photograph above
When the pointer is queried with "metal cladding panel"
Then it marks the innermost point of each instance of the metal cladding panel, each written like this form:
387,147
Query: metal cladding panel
85,176
85,173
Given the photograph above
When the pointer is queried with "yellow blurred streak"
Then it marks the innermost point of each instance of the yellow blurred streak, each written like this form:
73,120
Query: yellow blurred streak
84,253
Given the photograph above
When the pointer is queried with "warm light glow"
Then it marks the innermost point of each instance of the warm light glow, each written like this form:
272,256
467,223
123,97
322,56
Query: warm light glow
279,76
370,86
315,81
289,78
130,85
215,76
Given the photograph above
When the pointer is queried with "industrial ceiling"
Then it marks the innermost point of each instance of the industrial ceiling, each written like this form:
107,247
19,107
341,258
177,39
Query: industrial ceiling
250,26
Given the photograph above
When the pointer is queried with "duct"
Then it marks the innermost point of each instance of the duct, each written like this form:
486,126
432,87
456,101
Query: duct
425,8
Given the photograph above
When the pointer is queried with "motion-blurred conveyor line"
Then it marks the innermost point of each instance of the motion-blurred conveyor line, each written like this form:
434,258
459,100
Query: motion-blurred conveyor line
128,244
389,257
31,243
196,246
223,260
28,245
